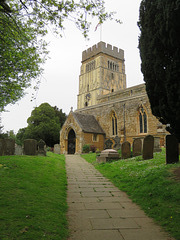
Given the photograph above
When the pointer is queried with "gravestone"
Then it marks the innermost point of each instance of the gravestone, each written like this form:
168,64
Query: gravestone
1,147
7,147
41,145
148,147
108,144
172,151
10,146
117,144
18,150
57,148
108,155
157,147
30,147
125,150
137,147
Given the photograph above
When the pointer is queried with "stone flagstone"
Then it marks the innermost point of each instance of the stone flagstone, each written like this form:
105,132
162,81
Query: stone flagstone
100,211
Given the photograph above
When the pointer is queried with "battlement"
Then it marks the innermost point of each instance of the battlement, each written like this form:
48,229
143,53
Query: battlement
102,47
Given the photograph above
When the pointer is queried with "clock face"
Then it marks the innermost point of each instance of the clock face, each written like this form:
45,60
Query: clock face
88,96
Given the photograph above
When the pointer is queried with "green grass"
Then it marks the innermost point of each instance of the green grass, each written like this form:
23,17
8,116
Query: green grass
33,197
150,184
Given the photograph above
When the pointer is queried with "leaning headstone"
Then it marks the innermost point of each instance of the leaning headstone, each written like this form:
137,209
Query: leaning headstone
108,144
117,144
18,150
172,151
148,147
125,150
30,147
137,147
57,148
157,147
108,155
41,148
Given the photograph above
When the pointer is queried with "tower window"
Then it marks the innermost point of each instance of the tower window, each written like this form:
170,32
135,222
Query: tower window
90,66
113,66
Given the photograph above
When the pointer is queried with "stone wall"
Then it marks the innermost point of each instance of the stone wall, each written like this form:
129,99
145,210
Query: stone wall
126,106
88,139
82,138
102,72
69,124
101,47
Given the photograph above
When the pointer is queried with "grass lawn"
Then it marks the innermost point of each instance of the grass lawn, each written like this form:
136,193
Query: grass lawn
33,197
150,184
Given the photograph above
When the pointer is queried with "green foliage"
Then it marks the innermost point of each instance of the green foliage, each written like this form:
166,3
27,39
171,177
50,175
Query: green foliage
62,116
159,43
33,197
86,148
21,56
44,123
22,26
150,184
20,136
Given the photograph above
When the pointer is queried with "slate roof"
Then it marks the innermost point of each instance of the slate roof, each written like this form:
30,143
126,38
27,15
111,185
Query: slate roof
88,123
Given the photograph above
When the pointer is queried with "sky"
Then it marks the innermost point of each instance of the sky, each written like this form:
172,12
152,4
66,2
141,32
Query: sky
60,80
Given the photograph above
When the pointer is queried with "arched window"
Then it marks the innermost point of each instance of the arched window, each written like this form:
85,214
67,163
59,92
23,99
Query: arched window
142,120
114,124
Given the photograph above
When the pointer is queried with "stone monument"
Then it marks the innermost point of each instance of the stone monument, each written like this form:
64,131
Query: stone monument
30,147
125,150
148,147
41,148
137,147
108,155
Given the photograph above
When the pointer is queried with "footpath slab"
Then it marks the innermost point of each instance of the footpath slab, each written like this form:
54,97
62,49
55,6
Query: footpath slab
100,211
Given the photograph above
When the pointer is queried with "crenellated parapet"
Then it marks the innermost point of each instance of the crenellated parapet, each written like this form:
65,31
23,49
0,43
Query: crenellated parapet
102,47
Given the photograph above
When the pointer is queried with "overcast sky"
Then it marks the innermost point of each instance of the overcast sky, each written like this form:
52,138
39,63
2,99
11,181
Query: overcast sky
59,83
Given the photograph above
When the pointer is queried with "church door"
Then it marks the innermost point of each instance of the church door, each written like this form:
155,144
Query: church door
71,142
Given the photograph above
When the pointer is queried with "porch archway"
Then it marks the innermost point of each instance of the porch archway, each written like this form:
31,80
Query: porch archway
71,142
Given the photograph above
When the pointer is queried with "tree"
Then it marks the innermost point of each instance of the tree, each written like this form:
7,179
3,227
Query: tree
20,58
159,46
62,116
20,136
43,124
21,23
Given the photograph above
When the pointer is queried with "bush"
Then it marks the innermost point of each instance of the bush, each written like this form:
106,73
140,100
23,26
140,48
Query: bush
93,148
86,148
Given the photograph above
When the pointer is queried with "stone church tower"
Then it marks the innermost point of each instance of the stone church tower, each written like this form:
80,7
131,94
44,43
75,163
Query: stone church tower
102,72
106,109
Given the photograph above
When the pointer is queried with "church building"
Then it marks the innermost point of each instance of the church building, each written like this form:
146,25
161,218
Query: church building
106,108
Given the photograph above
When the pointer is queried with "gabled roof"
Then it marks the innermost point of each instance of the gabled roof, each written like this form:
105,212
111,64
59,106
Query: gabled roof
88,123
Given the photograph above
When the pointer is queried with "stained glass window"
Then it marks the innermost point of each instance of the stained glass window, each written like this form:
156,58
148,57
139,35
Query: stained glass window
114,124
145,122
142,120
140,123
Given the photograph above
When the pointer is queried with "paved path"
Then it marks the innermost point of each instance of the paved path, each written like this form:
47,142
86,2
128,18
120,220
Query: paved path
100,211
